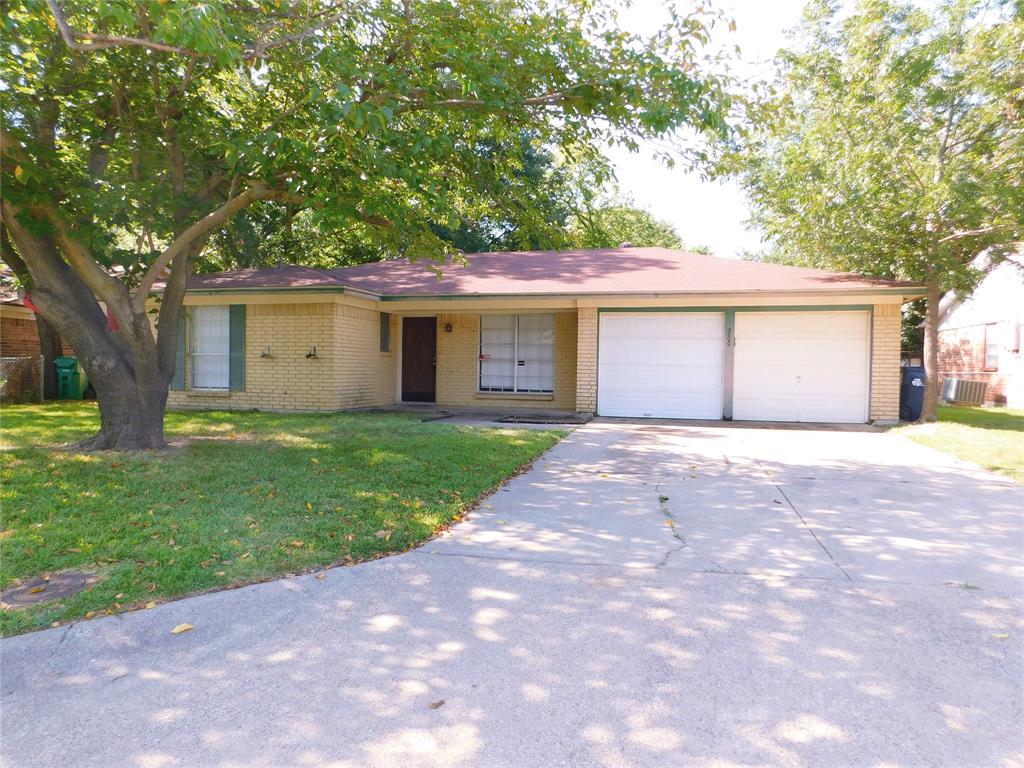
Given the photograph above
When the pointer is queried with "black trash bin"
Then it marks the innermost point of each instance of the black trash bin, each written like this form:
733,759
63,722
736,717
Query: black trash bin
911,393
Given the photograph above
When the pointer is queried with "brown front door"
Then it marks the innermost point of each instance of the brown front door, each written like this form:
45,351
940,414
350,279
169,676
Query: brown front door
419,354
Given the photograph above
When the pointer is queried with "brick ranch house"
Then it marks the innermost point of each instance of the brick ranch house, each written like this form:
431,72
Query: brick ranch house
980,336
638,332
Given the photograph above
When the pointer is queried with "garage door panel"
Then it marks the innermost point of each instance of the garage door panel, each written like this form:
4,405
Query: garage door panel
801,366
661,365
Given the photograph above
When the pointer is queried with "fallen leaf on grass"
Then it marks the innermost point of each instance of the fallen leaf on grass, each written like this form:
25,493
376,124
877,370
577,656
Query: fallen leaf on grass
181,628
309,507
436,704
386,535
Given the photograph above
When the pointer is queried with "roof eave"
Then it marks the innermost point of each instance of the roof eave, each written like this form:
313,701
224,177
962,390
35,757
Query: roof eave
909,292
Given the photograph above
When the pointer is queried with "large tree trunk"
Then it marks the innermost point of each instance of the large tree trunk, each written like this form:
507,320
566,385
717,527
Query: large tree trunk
51,346
128,368
131,418
931,352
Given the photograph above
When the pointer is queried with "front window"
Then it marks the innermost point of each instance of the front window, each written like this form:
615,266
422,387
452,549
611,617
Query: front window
517,353
992,347
210,347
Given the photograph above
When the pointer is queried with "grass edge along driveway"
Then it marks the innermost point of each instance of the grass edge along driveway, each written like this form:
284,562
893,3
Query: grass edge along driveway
242,497
992,438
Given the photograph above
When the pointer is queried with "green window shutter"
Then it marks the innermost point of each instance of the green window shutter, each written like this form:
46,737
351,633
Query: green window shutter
236,376
178,380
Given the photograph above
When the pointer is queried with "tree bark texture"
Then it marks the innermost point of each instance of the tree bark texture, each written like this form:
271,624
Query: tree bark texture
931,352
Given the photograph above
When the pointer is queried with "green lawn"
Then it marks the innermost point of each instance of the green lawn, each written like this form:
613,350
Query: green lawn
990,437
243,497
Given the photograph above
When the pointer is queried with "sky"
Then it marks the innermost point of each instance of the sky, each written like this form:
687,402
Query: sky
703,212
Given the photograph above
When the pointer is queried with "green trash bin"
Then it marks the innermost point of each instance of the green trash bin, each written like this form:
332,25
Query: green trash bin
71,379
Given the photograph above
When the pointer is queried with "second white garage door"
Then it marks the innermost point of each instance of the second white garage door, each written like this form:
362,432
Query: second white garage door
661,365
801,366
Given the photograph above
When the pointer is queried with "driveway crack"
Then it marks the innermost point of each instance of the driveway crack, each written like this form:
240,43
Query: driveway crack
804,522
671,522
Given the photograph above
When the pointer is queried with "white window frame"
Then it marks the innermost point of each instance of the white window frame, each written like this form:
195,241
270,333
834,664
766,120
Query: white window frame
515,359
195,317
992,339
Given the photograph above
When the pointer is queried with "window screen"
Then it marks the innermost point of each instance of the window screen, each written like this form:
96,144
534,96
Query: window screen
517,353
497,353
210,346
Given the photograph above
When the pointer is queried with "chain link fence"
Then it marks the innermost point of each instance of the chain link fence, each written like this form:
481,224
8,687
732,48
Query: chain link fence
21,379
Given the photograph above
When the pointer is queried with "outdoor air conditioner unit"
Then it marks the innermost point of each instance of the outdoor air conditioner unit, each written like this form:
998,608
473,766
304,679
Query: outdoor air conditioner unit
963,392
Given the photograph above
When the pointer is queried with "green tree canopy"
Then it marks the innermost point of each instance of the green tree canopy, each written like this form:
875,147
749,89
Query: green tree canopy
610,224
134,129
892,143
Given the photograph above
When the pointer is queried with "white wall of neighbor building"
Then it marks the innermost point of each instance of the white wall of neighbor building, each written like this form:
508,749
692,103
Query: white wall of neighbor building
999,297
998,300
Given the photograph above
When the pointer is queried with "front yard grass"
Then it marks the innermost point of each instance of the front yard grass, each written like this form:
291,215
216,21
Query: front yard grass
244,496
990,437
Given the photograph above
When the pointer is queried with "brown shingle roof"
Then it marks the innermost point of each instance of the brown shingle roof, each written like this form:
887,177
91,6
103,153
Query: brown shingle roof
605,271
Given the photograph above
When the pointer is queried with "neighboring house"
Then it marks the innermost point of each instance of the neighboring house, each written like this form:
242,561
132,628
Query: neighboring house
19,336
980,337
643,332
20,356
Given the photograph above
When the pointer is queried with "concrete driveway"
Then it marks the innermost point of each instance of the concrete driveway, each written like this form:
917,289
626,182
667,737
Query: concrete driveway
647,595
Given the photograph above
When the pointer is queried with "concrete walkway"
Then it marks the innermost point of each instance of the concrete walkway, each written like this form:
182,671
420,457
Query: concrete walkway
647,595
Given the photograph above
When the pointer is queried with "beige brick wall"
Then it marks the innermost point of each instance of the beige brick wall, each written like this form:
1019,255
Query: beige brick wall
366,376
885,363
349,370
458,357
586,360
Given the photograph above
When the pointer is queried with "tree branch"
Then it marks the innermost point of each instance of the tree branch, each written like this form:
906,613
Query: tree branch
259,49
970,233
256,50
107,288
98,42
200,228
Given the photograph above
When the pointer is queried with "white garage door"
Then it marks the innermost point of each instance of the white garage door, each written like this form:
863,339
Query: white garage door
661,365
801,366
